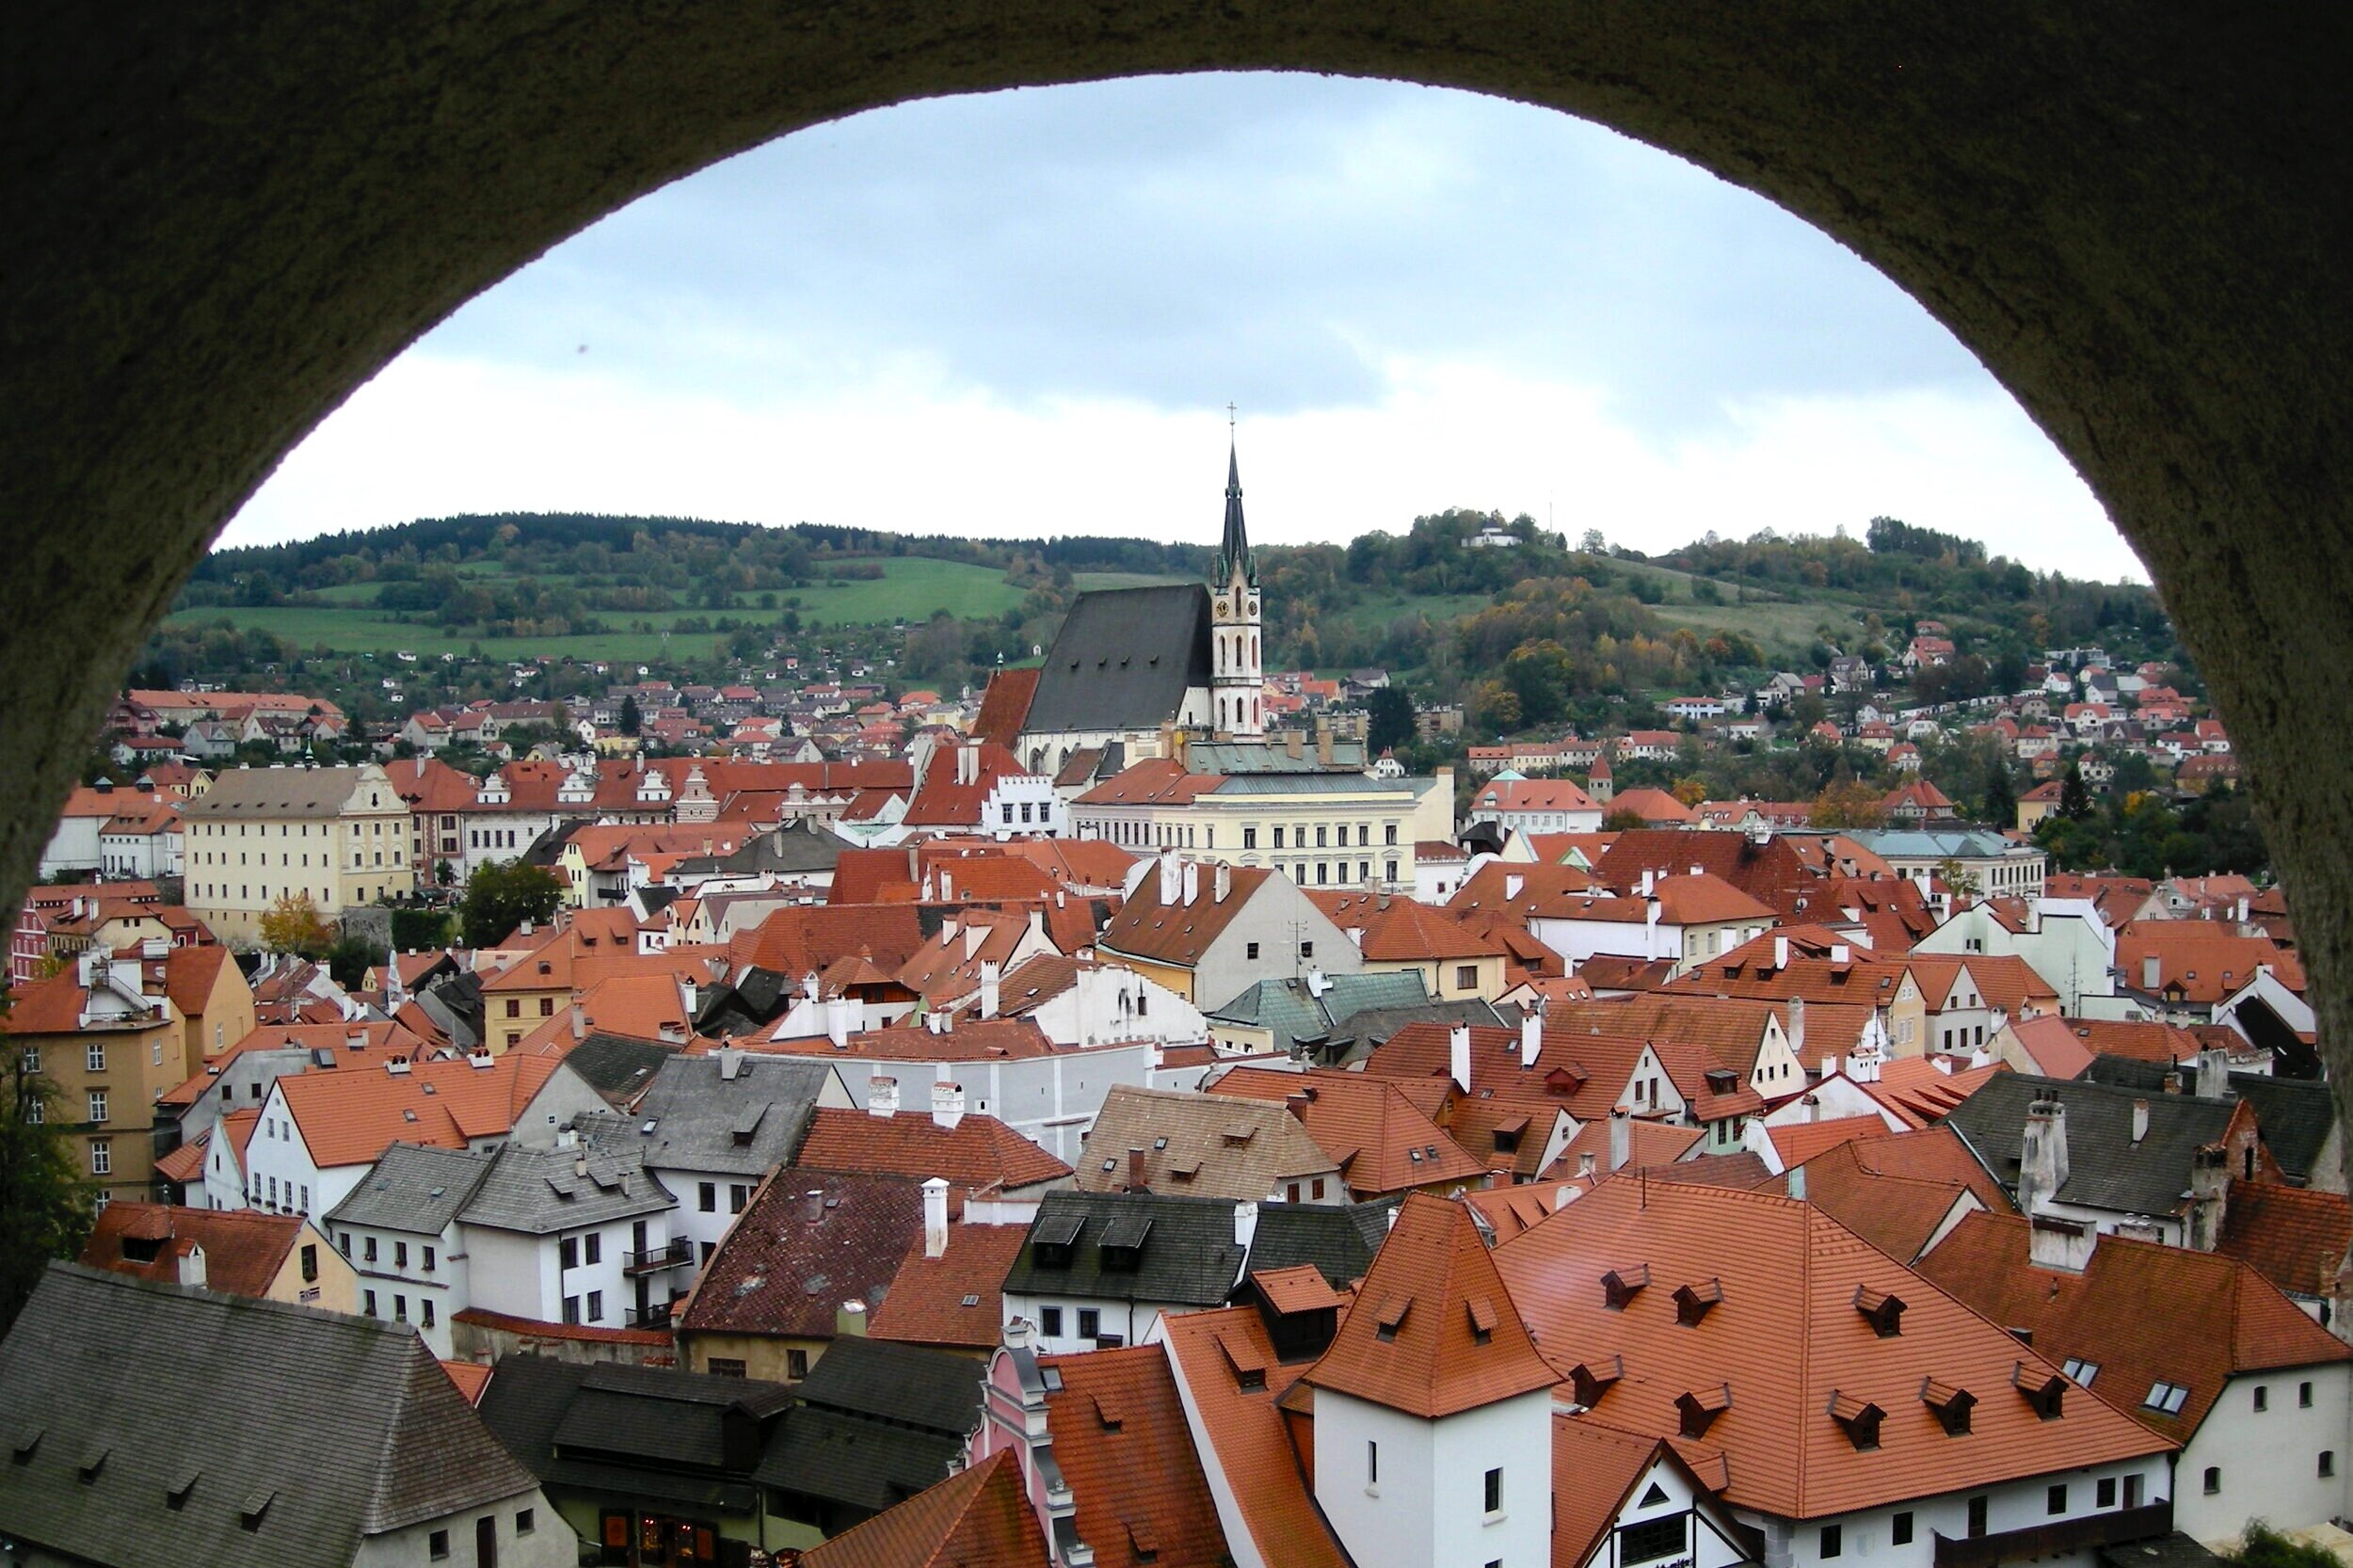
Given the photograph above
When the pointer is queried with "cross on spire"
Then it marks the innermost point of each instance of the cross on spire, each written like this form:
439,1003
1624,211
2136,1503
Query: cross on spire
1235,552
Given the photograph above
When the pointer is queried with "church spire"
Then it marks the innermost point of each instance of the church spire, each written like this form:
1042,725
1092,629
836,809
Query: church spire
1236,550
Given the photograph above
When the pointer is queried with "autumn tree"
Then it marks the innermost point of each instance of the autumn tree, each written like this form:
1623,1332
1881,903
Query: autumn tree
1846,802
502,894
293,925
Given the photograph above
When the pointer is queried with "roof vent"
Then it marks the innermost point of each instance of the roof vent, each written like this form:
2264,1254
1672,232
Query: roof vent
176,1495
1699,1408
1858,1419
1951,1405
256,1506
1694,1302
93,1461
1884,1312
1619,1285
2042,1389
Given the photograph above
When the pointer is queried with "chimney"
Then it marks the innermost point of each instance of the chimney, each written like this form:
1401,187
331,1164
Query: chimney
1221,885
1796,1028
192,1265
813,1205
849,1321
2148,972
882,1096
1458,1056
1245,1224
1293,743
355,1039
934,1217
1192,882
838,1021
968,763
2141,1121
730,1061
2042,1167
989,973
2213,1074
1136,1182
2209,1194
1323,744
1532,1037
947,1105
1650,880
1169,880
1621,1137
1781,953
160,947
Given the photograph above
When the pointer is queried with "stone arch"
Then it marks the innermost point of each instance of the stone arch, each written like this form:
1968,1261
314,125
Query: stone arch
238,217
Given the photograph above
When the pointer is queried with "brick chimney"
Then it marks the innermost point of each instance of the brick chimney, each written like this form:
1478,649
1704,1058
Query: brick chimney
2209,1196
1621,1137
1136,1182
882,1096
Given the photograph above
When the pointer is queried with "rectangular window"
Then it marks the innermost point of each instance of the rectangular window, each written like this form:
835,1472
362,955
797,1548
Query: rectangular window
2263,1397
102,1156
309,1262
2055,1500
1651,1540
596,1306
707,1197
1899,1529
1492,1497
725,1367
1049,1321
400,1254
1976,1516
1388,835
1372,1464
424,1305
547,1007
738,1195
437,1546
400,1309
2213,1479
1467,977
1252,951
368,1303
592,1250
368,1252
1306,949
2303,1396
526,1520
32,1059
1250,838
1278,837
796,1364
571,1309
570,1250
1090,1322
428,1260
1833,1540
2328,1462
98,1105
514,1007
95,1058
2106,1496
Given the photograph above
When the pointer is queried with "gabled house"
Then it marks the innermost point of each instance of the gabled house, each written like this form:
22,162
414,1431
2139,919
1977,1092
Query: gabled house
1098,1270
1210,931
1205,1145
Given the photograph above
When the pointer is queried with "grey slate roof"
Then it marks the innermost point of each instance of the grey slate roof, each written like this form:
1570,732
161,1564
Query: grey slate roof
414,1188
854,1461
1124,659
640,1432
736,1113
143,1381
1338,1240
2294,1115
275,792
2106,1169
1369,1028
938,1391
1187,1259
1296,1016
617,1067
540,1191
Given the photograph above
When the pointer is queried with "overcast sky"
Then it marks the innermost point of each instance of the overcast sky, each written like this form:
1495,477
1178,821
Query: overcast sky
1025,313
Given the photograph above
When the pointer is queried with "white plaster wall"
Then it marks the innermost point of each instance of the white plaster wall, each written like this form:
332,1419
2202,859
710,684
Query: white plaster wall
2269,1460
1133,1320
1429,1506
1052,1100
1868,1533
550,1544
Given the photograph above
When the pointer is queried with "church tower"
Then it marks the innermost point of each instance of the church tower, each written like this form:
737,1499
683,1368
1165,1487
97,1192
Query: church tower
1239,697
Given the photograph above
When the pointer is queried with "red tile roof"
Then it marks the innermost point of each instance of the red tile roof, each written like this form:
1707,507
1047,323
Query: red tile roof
471,1378
1005,705
1898,1214
2143,1312
1247,1437
1780,1341
1124,1449
781,1273
926,1304
803,940
1802,1141
1179,933
2203,958
1371,1127
977,1518
349,1118
1434,1331
2295,1237
244,1249
980,1153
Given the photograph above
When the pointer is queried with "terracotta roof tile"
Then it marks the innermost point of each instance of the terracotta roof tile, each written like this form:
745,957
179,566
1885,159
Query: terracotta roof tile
244,1249
1199,1145
1124,1449
1800,1141
1784,1339
1179,934
2295,1237
977,1517
349,1118
1247,1442
782,1272
471,1378
980,1153
927,1301
1369,1127
1434,1331
2143,1312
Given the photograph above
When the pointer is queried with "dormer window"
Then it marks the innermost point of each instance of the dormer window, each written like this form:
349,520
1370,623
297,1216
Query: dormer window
1482,1318
2045,1395
1620,1286
1694,1302
1882,1311
1392,1318
1591,1380
1858,1419
1950,1405
2165,1398
1699,1408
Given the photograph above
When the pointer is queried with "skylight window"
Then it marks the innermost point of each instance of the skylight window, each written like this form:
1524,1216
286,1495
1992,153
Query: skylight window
2166,1399
2082,1372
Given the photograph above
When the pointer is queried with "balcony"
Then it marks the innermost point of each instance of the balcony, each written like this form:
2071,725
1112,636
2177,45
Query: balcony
655,1315
677,1254
2057,1539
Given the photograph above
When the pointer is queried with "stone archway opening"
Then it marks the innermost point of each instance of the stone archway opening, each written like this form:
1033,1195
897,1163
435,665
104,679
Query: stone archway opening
222,223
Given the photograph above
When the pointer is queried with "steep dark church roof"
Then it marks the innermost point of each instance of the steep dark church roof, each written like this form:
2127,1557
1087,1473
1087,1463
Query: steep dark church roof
1236,549
1123,659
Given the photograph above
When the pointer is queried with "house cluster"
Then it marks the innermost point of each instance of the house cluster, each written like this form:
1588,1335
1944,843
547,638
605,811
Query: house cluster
1140,1130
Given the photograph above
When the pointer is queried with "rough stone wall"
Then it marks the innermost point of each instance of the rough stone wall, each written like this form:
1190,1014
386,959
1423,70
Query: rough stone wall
221,218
